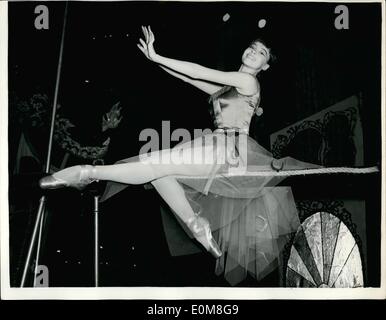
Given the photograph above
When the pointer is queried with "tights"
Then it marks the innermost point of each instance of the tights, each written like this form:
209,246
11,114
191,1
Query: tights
160,175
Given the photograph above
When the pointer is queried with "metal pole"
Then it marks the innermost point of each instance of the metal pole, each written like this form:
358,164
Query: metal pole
54,108
96,240
31,245
40,213
38,246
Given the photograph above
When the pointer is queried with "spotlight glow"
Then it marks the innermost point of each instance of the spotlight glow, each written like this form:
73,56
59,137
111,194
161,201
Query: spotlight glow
262,23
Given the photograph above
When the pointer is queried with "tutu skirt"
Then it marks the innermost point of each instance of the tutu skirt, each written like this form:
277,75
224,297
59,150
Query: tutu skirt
250,216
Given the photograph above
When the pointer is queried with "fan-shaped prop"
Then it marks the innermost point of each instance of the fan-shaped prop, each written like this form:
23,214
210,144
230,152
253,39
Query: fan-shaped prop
324,254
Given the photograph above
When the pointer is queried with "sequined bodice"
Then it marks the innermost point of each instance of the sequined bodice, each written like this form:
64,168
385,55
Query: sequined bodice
232,109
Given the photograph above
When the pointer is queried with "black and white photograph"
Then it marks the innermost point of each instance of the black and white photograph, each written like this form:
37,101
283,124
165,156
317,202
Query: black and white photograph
192,149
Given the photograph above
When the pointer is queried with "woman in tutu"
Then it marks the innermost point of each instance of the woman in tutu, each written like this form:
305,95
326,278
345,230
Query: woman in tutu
241,218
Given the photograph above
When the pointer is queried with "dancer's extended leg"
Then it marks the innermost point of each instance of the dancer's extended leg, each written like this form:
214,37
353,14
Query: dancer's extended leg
147,167
161,176
131,172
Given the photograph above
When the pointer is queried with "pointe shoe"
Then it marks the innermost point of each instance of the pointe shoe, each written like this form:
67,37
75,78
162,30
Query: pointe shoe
51,182
201,230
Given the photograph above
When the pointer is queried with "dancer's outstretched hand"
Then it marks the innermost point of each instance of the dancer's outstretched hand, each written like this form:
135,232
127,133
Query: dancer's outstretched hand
146,46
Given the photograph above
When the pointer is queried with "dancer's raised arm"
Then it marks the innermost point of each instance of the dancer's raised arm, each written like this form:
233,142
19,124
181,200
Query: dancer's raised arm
207,87
244,82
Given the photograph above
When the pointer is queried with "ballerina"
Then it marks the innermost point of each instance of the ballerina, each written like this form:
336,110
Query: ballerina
249,214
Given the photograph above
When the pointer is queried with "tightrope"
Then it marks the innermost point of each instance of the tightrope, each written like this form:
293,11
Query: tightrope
294,172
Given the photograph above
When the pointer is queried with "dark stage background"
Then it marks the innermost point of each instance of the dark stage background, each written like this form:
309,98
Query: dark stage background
317,66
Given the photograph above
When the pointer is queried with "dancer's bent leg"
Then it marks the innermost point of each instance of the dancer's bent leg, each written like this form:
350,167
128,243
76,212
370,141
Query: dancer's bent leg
173,194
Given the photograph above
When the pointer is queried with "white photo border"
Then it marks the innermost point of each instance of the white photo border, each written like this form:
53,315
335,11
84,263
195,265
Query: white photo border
163,293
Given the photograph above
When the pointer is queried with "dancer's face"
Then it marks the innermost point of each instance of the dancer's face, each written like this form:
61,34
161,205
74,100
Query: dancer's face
256,56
